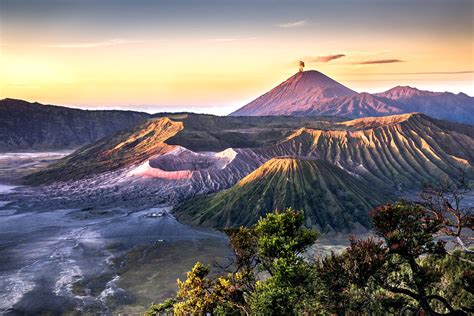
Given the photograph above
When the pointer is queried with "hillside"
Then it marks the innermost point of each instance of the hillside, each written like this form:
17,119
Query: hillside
34,126
360,105
401,151
442,105
119,150
311,93
332,198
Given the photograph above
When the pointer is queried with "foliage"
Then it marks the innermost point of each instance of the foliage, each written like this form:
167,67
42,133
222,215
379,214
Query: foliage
349,281
281,241
404,269
408,230
157,309
270,276
194,294
455,279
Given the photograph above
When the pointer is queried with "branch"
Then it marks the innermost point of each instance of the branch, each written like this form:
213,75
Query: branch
442,300
460,258
401,290
463,247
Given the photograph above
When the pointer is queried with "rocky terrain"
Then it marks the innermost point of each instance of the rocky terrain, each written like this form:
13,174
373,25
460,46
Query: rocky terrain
33,126
162,134
311,93
151,165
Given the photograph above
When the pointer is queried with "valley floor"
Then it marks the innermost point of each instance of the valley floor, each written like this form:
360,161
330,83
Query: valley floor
109,260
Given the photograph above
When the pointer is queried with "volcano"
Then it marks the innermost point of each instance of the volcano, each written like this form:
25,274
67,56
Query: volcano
296,94
331,198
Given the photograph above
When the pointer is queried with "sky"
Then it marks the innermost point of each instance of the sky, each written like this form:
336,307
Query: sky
216,56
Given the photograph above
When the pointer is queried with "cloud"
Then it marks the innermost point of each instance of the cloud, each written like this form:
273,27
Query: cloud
379,61
111,42
292,24
324,59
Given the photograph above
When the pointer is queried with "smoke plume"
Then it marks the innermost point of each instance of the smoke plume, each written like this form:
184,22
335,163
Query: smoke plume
301,65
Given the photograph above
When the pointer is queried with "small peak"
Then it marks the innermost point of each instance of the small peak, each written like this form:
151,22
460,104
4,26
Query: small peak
462,94
403,92
365,96
404,88
379,121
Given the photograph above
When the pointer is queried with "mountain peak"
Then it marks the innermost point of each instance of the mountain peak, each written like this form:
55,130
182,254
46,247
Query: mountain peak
401,92
296,94
374,122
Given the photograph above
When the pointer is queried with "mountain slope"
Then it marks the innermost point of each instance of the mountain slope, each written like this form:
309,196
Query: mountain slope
311,93
402,151
442,105
360,105
110,153
296,94
34,126
330,197
162,134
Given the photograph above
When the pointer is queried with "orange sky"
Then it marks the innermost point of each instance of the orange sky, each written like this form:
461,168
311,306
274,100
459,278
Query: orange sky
219,69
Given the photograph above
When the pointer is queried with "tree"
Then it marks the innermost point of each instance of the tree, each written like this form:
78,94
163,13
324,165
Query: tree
404,269
289,289
445,201
349,280
408,231
267,276
195,293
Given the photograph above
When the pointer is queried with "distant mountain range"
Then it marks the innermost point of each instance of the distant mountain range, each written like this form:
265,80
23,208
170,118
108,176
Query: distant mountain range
311,93
34,126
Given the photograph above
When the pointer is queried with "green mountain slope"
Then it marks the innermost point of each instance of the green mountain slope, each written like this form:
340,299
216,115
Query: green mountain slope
331,198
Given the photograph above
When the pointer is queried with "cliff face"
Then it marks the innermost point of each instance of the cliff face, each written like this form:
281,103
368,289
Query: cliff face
34,126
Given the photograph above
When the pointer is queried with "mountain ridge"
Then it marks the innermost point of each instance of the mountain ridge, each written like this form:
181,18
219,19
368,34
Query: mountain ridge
35,126
316,99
